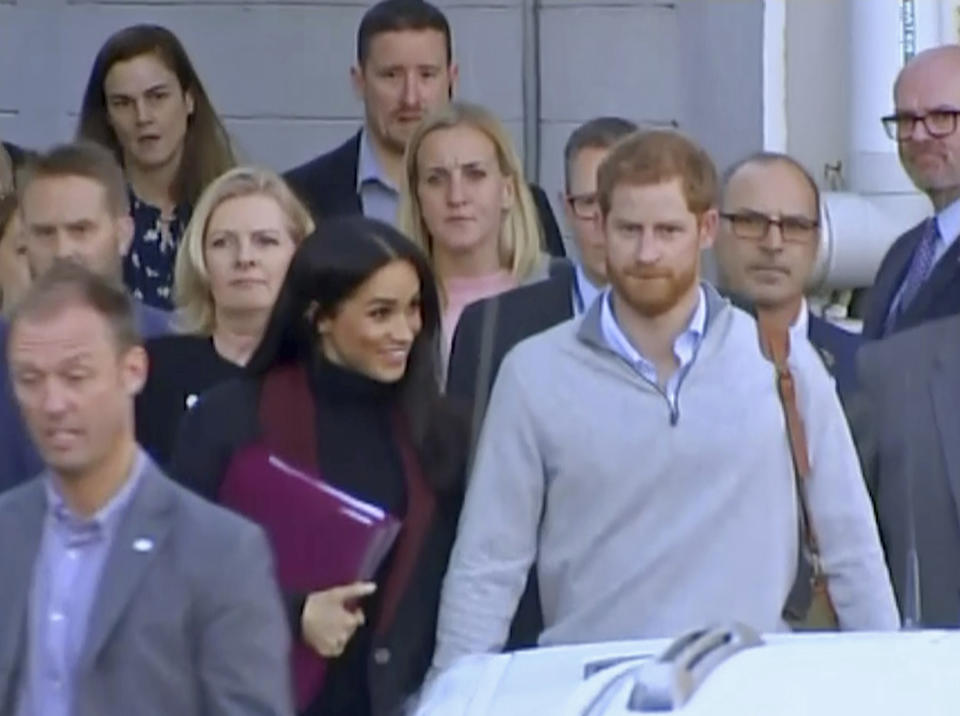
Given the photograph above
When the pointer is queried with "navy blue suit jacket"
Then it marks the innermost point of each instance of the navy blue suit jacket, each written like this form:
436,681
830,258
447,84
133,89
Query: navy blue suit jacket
18,458
937,298
838,348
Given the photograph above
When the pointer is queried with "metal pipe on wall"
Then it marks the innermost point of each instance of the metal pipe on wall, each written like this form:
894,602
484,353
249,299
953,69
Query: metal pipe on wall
531,89
881,202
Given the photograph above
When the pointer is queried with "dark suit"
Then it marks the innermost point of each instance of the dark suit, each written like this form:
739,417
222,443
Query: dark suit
500,323
187,618
18,458
838,349
328,186
938,297
508,318
906,423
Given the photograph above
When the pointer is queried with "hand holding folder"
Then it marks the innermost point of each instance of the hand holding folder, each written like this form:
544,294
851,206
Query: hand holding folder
321,536
330,618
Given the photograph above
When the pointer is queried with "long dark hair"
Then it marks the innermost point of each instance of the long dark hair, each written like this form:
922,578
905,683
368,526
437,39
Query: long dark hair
327,268
207,151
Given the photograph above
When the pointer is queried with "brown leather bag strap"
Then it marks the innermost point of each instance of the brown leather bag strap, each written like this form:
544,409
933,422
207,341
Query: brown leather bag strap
775,343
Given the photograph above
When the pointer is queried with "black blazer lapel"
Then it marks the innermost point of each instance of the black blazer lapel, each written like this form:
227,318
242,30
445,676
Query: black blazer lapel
343,181
20,535
138,541
558,293
328,184
889,278
944,390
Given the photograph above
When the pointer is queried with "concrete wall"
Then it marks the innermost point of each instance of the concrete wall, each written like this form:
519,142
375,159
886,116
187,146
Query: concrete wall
278,69
816,62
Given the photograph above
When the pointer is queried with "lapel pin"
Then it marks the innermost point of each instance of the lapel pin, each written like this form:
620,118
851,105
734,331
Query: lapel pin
191,400
143,544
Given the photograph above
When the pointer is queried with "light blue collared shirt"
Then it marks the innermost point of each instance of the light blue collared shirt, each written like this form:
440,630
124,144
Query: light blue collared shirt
948,221
73,551
584,291
379,196
684,346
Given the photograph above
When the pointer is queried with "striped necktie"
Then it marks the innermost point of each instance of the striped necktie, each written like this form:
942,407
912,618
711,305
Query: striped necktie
919,271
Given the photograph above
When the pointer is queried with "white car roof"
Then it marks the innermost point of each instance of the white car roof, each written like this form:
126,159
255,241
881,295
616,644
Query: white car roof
904,673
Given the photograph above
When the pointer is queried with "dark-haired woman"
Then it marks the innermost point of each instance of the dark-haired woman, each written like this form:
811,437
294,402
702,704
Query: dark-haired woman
145,102
360,315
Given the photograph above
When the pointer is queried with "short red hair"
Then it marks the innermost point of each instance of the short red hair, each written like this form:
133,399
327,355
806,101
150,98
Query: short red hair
654,157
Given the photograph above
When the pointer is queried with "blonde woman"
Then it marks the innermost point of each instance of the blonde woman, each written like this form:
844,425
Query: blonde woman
229,270
468,206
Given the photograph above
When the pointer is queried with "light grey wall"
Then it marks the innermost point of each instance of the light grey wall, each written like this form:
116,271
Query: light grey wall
278,69
817,83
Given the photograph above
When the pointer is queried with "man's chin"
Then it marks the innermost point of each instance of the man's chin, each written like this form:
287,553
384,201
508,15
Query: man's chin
652,305
64,463
397,139
769,294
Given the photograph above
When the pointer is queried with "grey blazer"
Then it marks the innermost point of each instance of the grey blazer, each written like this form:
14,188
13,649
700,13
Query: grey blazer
194,626
906,422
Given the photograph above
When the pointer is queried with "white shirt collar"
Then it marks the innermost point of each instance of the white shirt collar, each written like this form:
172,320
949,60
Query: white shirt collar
684,345
800,327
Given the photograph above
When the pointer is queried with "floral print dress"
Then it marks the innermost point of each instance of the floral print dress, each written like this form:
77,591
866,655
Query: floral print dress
148,265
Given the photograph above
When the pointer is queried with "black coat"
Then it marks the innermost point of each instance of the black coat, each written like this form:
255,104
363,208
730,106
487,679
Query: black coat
514,316
328,186
182,367
227,418
506,319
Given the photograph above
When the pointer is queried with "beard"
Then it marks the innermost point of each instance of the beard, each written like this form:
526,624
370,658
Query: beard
651,292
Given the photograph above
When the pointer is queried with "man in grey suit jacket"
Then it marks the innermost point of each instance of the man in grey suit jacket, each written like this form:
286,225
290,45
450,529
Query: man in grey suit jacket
906,423
121,593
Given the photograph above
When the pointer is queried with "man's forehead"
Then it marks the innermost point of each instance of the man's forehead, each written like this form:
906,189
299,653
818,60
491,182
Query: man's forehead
59,334
586,161
935,75
664,201
775,182
65,193
426,46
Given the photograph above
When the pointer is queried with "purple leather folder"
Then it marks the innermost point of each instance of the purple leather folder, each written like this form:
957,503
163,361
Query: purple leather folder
321,536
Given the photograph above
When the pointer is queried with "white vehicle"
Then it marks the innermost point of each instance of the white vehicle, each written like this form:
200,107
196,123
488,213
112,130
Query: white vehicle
717,672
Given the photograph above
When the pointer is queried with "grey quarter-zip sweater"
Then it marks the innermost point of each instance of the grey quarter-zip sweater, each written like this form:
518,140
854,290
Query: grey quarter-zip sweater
645,521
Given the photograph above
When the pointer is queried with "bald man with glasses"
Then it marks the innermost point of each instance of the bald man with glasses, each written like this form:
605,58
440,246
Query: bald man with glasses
919,279
765,251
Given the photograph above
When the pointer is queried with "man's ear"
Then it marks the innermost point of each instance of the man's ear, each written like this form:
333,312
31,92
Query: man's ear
134,367
454,72
357,81
707,228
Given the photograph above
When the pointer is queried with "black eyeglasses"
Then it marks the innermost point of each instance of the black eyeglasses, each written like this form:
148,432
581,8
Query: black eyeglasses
755,226
939,123
585,206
